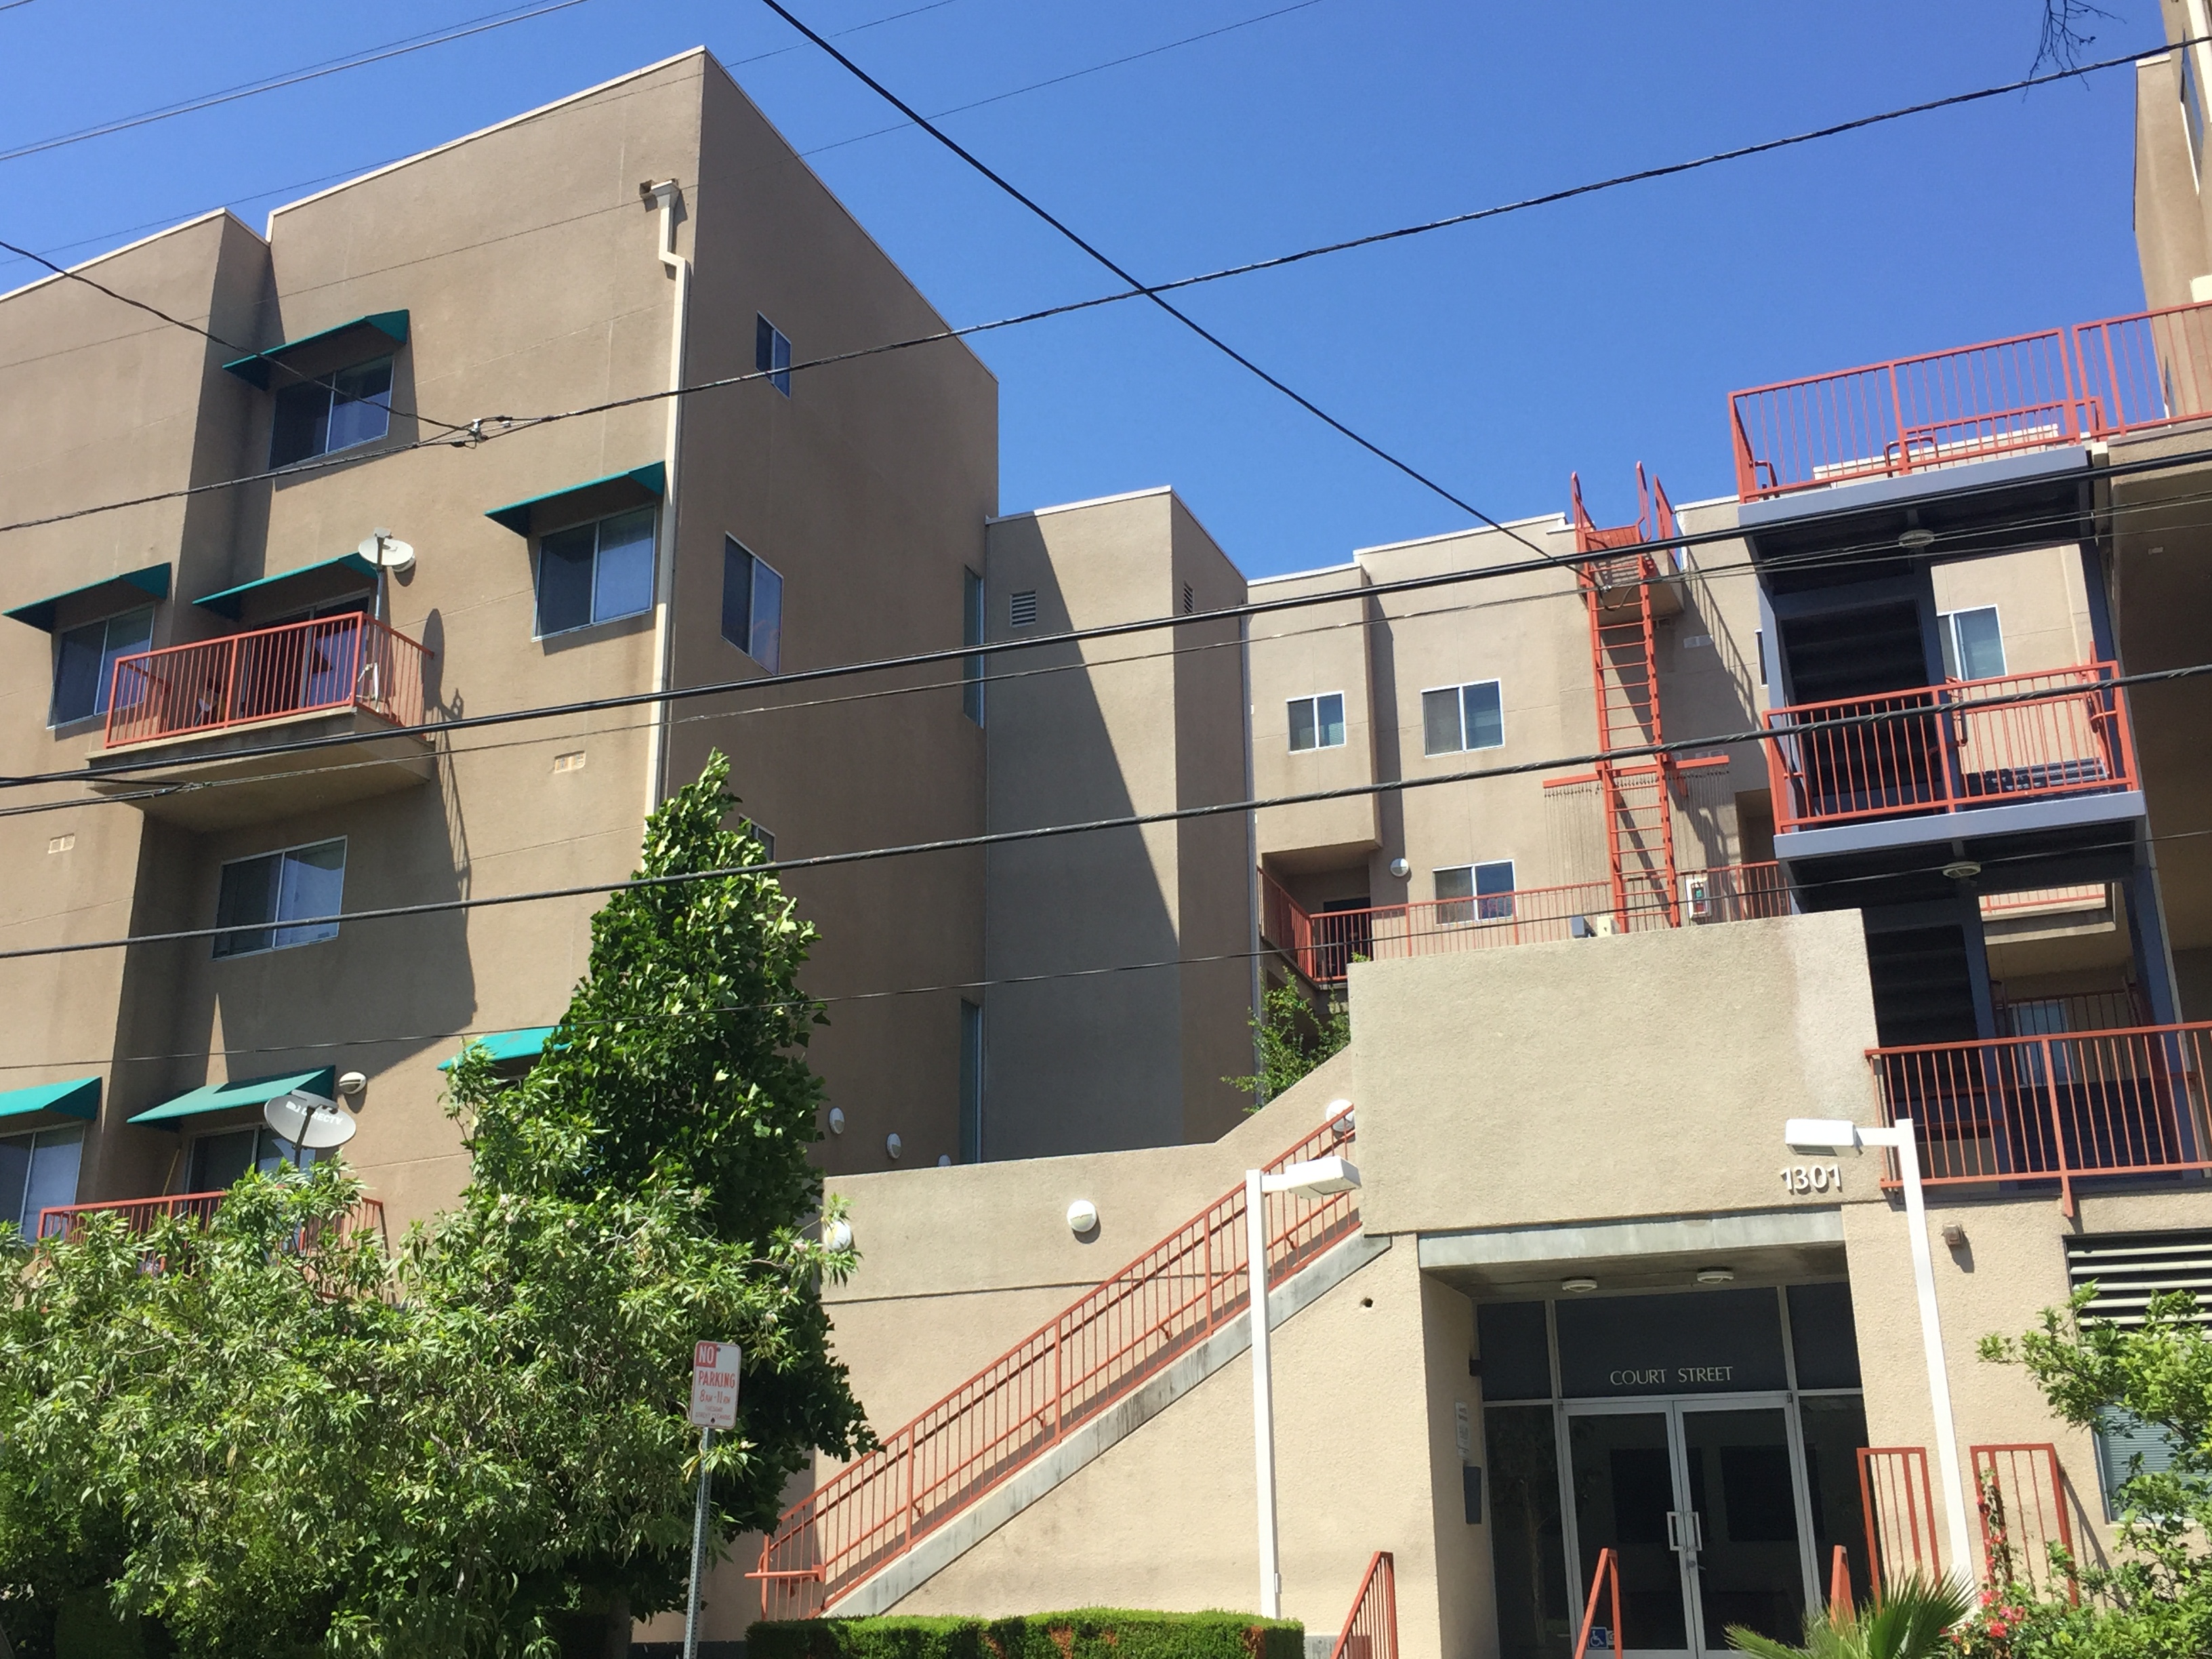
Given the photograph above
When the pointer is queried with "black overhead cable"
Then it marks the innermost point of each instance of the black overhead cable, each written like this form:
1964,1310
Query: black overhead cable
1111,630
1143,820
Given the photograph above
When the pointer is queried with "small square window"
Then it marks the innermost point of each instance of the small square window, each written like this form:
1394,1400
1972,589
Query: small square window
1475,892
84,665
765,837
1317,722
1457,717
595,573
331,412
257,894
771,353
752,605
1973,645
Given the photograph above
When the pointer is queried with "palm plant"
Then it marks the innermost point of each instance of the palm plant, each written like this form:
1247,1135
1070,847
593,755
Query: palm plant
1911,1622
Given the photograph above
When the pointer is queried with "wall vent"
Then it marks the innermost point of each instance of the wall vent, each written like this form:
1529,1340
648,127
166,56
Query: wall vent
1189,601
1021,609
571,762
2129,1270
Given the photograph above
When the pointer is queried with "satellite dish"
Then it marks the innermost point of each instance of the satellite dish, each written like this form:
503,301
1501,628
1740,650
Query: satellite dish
308,1121
383,549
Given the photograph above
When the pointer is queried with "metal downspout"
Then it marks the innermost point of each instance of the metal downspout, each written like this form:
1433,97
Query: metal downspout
668,197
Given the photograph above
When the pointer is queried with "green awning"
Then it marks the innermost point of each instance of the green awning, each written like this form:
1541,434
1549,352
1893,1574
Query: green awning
153,581
629,488
232,600
254,370
78,1097
526,1044
227,1096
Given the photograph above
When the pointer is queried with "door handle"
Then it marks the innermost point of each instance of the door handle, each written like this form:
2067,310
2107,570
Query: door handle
1696,1524
1674,1529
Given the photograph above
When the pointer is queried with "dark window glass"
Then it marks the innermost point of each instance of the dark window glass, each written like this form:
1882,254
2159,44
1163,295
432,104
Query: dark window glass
301,427
332,411
276,887
1697,1342
1493,886
248,896
84,663
971,633
1824,1337
564,579
14,1179
218,1160
971,1083
1486,716
361,404
1517,1358
1440,721
1528,1542
752,605
51,1181
1835,1428
772,354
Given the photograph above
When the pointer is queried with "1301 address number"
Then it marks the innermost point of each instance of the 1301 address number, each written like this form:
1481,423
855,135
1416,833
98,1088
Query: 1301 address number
1812,1178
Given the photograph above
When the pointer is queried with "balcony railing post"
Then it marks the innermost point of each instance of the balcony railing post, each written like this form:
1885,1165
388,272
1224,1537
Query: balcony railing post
2063,1158
1897,409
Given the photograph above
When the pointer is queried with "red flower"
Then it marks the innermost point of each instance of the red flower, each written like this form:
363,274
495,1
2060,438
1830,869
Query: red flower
1998,1627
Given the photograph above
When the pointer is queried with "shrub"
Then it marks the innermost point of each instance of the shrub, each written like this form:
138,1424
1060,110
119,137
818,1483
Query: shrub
1084,1633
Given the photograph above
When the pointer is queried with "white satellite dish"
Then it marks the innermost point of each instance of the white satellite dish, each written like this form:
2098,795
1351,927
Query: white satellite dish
308,1121
386,551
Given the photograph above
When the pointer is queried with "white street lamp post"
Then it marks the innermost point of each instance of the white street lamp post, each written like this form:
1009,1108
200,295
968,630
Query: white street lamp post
1828,1135
1316,1179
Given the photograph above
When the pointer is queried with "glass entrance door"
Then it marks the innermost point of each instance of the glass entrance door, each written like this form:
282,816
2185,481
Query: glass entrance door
1703,1503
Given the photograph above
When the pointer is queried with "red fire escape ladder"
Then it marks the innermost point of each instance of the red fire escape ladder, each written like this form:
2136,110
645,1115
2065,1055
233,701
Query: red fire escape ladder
1636,797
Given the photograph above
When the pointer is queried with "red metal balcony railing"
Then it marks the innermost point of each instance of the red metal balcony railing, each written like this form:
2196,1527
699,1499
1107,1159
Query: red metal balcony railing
1947,748
1898,1506
1128,1330
2053,1107
301,668
1370,1629
139,1215
2021,1495
1325,943
1997,398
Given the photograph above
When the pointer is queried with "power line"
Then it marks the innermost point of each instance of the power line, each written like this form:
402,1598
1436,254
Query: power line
1140,820
290,78
1072,75
1637,907
1112,630
1184,318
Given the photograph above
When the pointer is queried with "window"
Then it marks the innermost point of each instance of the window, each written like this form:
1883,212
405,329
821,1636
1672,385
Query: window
595,573
1021,609
1317,722
1973,649
1457,717
336,411
2192,114
971,633
772,354
38,1172
1476,892
752,605
765,837
259,893
85,659
221,1158
971,1082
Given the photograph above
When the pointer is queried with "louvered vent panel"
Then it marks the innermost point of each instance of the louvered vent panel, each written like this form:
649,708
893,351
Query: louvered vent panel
1021,609
2128,1271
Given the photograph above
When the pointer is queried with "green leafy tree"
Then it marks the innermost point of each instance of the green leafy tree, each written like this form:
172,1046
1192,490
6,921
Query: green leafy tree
274,1437
1291,1037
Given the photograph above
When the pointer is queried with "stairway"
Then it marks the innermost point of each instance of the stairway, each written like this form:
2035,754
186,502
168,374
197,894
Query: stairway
883,1524
1636,798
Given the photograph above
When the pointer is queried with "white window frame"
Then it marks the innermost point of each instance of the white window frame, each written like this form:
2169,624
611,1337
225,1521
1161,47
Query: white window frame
276,924
1954,651
1344,721
538,565
55,719
1474,896
1459,693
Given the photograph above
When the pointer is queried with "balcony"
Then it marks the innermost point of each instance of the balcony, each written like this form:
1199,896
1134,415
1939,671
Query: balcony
140,1215
2122,375
193,707
1947,748
2055,1107
1323,944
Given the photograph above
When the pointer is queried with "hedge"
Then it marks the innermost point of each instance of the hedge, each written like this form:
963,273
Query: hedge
1084,1633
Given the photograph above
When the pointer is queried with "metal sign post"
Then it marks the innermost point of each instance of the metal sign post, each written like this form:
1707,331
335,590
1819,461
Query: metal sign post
714,1406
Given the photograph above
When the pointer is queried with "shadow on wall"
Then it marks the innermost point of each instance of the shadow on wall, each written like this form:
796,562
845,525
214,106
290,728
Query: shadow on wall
1088,1064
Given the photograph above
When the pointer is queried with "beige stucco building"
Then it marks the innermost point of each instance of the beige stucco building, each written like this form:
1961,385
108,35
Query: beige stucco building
1625,842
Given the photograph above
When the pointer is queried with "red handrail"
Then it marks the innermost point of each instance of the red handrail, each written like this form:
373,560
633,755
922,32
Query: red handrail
1370,1629
1324,944
1840,1585
139,1215
1899,1513
2053,1107
1951,747
1608,1568
1099,1350
269,673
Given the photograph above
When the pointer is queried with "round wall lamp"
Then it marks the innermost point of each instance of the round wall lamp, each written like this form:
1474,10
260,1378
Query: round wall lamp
1401,869
837,1236
1962,870
1715,1275
1916,538
1082,1217
945,1160
1579,1286
836,1121
893,1145
352,1082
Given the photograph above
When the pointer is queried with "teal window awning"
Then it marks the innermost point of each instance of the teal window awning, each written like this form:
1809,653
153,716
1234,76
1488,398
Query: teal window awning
132,586
78,1097
593,499
526,1044
257,369
227,1096
232,600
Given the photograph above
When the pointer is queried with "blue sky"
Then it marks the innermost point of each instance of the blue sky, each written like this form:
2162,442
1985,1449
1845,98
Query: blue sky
1496,357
